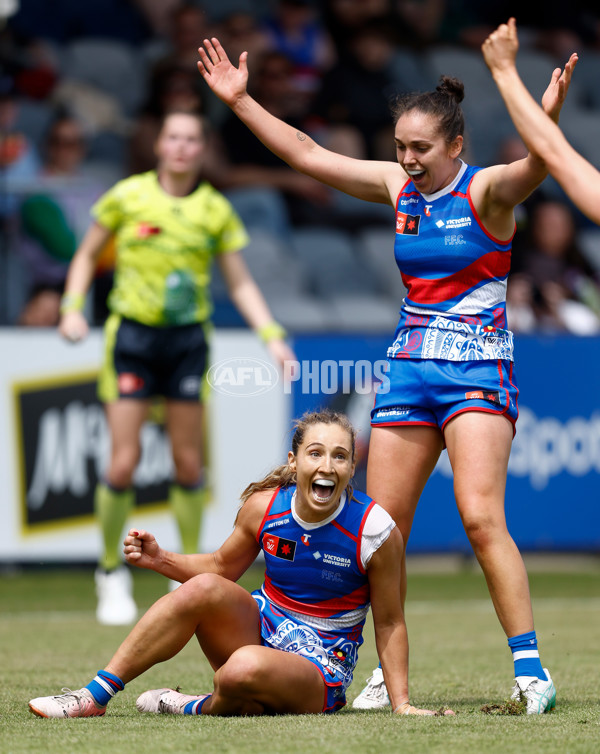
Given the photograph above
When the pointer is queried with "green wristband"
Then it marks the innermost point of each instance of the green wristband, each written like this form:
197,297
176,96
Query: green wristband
72,302
271,331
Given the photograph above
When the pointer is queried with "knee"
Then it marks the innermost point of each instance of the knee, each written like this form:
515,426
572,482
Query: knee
241,675
482,529
187,465
122,466
120,473
204,592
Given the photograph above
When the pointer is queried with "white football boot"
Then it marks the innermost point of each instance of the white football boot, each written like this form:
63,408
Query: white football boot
540,696
166,701
70,704
374,695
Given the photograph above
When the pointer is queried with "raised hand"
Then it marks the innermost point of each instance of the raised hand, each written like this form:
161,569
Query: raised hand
141,549
554,96
226,81
500,48
500,52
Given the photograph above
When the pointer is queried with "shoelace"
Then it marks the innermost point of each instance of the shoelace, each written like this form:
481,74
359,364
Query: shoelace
67,695
169,705
375,690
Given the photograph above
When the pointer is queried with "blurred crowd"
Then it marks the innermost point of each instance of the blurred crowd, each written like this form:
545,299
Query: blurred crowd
84,86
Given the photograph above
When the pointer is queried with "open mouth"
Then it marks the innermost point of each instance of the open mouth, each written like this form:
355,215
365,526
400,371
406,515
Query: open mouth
323,490
416,175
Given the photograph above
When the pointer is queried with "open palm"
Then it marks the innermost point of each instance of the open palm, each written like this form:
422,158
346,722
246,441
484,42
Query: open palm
226,81
554,96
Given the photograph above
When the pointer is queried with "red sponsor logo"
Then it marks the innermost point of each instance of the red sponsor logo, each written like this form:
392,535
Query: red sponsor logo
129,383
484,395
145,230
407,224
279,547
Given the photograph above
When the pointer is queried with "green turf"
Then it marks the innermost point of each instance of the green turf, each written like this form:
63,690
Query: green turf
459,658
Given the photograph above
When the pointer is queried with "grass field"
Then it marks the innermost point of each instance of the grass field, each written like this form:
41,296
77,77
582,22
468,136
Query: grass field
459,658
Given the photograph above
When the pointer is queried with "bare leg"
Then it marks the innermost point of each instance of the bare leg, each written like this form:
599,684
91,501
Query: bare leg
258,680
401,460
479,447
125,419
184,424
201,606
250,679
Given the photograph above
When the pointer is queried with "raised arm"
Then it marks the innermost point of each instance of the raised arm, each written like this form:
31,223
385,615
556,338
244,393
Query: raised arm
542,136
365,179
497,190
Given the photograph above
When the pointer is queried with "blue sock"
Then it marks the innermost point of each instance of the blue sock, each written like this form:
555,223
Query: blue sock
104,686
195,708
526,656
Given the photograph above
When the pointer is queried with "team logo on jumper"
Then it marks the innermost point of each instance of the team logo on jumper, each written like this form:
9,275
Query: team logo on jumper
279,547
407,225
484,395
305,538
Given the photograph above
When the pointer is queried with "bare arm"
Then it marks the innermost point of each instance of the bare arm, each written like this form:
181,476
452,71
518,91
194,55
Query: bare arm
579,179
73,325
250,302
231,560
390,628
497,190
365,179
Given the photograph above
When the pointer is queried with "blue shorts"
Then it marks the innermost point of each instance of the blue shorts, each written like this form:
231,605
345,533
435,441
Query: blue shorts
430,392
142,361
333,657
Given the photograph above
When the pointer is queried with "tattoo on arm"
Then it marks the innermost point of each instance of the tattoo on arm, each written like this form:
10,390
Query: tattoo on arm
300,136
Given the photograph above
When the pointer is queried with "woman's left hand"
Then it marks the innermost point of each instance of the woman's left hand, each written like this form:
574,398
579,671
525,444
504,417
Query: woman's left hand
556,93
407,709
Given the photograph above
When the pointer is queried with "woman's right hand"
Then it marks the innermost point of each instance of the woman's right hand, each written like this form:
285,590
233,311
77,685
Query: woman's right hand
226,81
73,326
141,549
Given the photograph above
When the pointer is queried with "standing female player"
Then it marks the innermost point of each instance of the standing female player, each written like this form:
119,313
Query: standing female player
168,226
450,364
291,646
